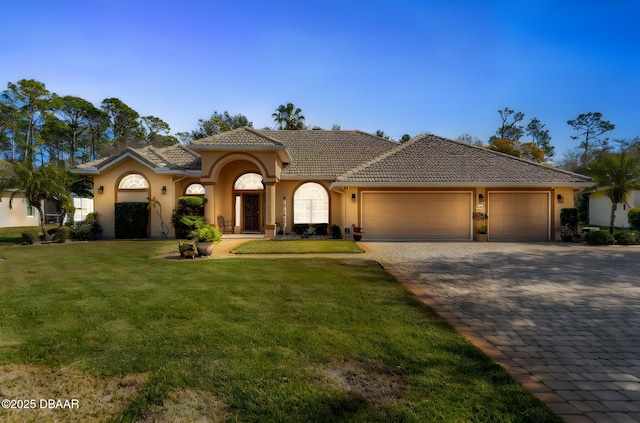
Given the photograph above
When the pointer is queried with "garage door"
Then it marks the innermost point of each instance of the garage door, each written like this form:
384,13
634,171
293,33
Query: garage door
518,215
416,215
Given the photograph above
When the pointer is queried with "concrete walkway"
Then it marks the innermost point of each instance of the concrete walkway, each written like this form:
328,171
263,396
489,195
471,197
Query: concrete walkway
564,319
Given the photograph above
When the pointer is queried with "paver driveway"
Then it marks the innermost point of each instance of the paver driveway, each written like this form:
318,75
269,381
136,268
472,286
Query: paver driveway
564,319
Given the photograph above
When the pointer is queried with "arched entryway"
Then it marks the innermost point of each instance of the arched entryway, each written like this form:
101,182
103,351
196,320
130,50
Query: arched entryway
249,203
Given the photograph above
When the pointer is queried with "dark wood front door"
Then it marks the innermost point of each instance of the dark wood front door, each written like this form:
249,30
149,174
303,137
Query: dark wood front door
251,212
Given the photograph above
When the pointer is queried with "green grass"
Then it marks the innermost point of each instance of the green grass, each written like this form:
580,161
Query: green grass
287,340
298,247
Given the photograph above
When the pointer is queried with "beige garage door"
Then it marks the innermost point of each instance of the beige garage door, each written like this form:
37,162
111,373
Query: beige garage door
518,215
416,215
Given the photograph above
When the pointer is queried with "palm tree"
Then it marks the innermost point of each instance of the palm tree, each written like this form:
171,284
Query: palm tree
616,176
37,185
289,117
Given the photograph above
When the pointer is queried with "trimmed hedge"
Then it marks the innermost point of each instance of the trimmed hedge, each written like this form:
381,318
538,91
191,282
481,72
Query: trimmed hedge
599,238
131,220
31,236
188,215
626,237
311,229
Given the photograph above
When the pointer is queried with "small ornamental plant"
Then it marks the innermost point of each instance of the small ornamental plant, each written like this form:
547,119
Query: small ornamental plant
205,234
481,217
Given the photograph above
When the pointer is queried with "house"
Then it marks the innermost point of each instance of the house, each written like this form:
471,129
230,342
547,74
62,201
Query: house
426,188
23,214
600,210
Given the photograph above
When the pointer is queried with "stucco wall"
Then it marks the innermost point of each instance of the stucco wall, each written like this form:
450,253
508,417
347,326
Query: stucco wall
600,210
17,215
104,203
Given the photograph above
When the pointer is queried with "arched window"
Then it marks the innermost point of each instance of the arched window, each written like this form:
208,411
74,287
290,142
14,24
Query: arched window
249,181
195,189
311,204
133,181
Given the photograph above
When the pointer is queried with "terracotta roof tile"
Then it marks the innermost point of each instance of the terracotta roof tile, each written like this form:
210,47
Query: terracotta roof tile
176,157
236,138
432,159
327,154
359,157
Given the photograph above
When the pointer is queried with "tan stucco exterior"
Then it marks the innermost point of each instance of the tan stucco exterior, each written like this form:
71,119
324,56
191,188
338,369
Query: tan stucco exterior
221,169
421,198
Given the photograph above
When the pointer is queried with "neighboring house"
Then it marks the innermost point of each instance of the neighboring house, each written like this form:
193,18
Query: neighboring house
426,188
600,210
23,214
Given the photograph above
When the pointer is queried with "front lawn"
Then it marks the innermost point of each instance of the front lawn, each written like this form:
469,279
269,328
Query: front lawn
250,340
298,247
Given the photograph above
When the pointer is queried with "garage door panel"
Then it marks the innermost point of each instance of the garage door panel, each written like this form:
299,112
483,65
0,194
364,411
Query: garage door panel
415,215
518,215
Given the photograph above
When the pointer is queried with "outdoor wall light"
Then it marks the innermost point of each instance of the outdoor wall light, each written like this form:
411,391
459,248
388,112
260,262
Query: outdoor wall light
164,190
353,198
101,189
560,199
481,198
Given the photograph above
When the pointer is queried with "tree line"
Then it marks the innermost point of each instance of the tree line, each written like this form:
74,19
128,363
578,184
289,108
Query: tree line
44,128
614,164
43,134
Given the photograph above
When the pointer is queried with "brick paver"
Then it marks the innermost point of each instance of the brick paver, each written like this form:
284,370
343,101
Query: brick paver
564,319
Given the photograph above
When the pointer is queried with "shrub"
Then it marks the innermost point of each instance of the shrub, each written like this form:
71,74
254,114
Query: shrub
626,237
193,206
205,233
321,228
62,234
634,218
311,228
299,229
188,215
31,236
82,230
336,232
569,219
131,220
184,224
599,238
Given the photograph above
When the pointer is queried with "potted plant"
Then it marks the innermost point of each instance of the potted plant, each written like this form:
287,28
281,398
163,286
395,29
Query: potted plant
96,229
204,237
481,229
569,225
357,232
567,232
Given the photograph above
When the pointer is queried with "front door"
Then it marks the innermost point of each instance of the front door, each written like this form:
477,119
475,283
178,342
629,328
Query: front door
251,212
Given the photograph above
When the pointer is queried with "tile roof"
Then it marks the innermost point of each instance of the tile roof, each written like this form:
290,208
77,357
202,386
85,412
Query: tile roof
327,154
175,157
237,138
432,159
313,153
356,157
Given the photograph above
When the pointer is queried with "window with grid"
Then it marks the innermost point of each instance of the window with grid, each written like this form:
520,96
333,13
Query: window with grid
311,204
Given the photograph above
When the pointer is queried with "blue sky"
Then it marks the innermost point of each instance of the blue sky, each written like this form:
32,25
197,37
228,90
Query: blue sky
400,66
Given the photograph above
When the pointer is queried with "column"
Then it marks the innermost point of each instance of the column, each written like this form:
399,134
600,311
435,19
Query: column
270,218
209,206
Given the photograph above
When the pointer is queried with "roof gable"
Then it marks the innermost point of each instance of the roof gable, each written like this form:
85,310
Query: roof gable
173,158
238,138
